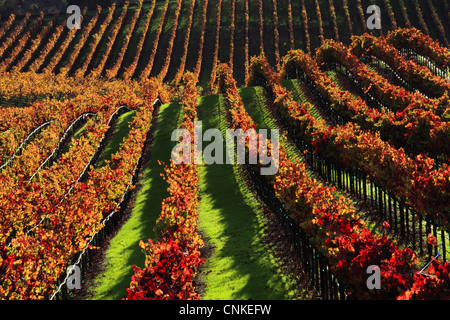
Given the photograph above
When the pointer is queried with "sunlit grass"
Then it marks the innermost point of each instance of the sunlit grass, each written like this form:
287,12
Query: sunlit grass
241,265
124,251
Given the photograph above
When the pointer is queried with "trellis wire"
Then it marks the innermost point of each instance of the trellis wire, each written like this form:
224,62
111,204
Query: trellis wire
62,141
18,150
407,222
314,263
108,222
86,168
412,55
